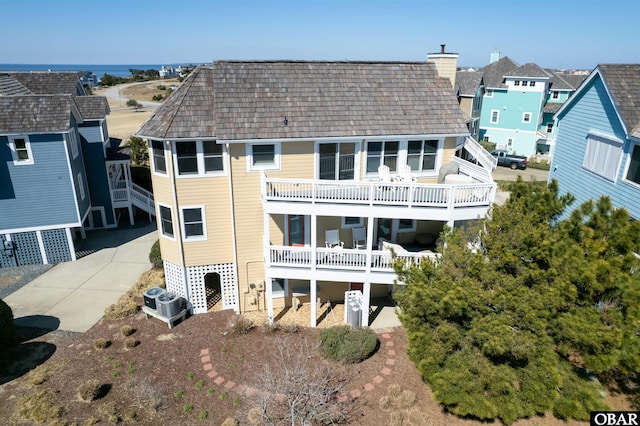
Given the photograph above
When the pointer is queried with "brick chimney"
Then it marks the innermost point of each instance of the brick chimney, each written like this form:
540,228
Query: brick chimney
446,64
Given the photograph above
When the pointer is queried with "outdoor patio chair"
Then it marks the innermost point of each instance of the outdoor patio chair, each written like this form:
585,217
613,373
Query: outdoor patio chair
332,238
359,238
384,173
404,173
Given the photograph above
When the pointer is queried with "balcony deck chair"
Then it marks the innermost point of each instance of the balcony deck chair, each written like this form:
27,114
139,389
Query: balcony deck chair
404,173
332,238
384,173
359,238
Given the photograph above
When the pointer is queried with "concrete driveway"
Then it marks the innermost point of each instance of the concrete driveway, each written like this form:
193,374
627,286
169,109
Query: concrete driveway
77,293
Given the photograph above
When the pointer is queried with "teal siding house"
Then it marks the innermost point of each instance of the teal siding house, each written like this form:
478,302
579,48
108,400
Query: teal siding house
519,103
58,176
598,138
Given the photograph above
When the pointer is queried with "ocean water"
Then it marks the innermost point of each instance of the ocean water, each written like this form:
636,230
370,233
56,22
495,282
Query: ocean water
98,70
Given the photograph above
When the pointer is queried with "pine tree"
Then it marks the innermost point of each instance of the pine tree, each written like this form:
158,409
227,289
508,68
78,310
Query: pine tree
506,328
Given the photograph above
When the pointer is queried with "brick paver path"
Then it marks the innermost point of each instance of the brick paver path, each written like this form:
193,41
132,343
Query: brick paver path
386,346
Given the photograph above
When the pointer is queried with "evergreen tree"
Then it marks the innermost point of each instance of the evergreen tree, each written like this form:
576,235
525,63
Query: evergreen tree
507,327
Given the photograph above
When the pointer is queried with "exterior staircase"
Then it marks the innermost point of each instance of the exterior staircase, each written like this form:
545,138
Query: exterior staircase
142,198
484,158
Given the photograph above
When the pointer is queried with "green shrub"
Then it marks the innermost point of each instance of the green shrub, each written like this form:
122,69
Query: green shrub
347,345
157,98
155,257
7,334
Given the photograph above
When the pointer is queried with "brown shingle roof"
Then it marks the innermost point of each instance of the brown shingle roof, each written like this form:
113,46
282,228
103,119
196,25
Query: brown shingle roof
623,82
48,83
494,72
467,82
187,112
236,100
9,86
92,107
35,113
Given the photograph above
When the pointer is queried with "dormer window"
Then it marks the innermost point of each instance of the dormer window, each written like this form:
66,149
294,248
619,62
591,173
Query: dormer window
516,83
20,150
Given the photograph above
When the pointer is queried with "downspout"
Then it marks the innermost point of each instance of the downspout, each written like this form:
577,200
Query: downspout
233,231
178,229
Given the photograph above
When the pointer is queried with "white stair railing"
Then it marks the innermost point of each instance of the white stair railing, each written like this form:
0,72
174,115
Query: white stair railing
483,156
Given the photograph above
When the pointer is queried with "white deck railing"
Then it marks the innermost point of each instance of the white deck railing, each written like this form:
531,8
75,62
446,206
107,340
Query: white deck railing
407,194
331,258
142,198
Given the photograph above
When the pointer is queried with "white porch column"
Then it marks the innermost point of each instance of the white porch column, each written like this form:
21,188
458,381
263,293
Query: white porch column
313,301
127,175
366,302
313,297
366,289
267,263
72,249
43,252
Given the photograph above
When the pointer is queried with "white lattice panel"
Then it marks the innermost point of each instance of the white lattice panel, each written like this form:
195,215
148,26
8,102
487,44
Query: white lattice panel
197,288
174,278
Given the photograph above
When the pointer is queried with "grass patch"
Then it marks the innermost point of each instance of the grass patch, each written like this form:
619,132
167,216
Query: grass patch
101,344
199,384
130,343
203,414
126,330
179,394
186,408
40,407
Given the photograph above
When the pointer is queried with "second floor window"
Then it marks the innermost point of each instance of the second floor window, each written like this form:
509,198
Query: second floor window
187,158
193,222
421,155
495,115
337,161
263,156
382,153
159,162
555,94
526,117
166,221
212,153
549,127
199,158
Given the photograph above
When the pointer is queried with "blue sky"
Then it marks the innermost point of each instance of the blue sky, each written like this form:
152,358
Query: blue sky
551,33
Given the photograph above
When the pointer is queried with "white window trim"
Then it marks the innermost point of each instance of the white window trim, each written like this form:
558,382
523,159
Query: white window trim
549,130
628,164
276,157
497,117
199,161
604,139
356,161
153,160
524,115
173,222
488,93
73,141
14,152
403,145
555,94
202,237
345,225
81,186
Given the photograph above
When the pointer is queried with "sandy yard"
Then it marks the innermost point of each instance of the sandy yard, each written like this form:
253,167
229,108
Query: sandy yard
123,121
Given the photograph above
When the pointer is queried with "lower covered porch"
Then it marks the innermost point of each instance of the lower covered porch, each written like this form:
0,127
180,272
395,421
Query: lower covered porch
329,303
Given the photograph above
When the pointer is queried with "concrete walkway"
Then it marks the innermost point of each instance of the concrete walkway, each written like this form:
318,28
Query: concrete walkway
77,293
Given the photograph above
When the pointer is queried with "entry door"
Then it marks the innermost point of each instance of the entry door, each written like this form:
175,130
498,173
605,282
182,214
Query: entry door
384,229
297,230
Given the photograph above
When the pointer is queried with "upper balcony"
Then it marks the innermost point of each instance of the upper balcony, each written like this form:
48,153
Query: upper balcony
400,198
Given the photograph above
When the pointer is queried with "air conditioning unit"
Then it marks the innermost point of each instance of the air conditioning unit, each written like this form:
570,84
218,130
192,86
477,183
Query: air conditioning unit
169,304
150,296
